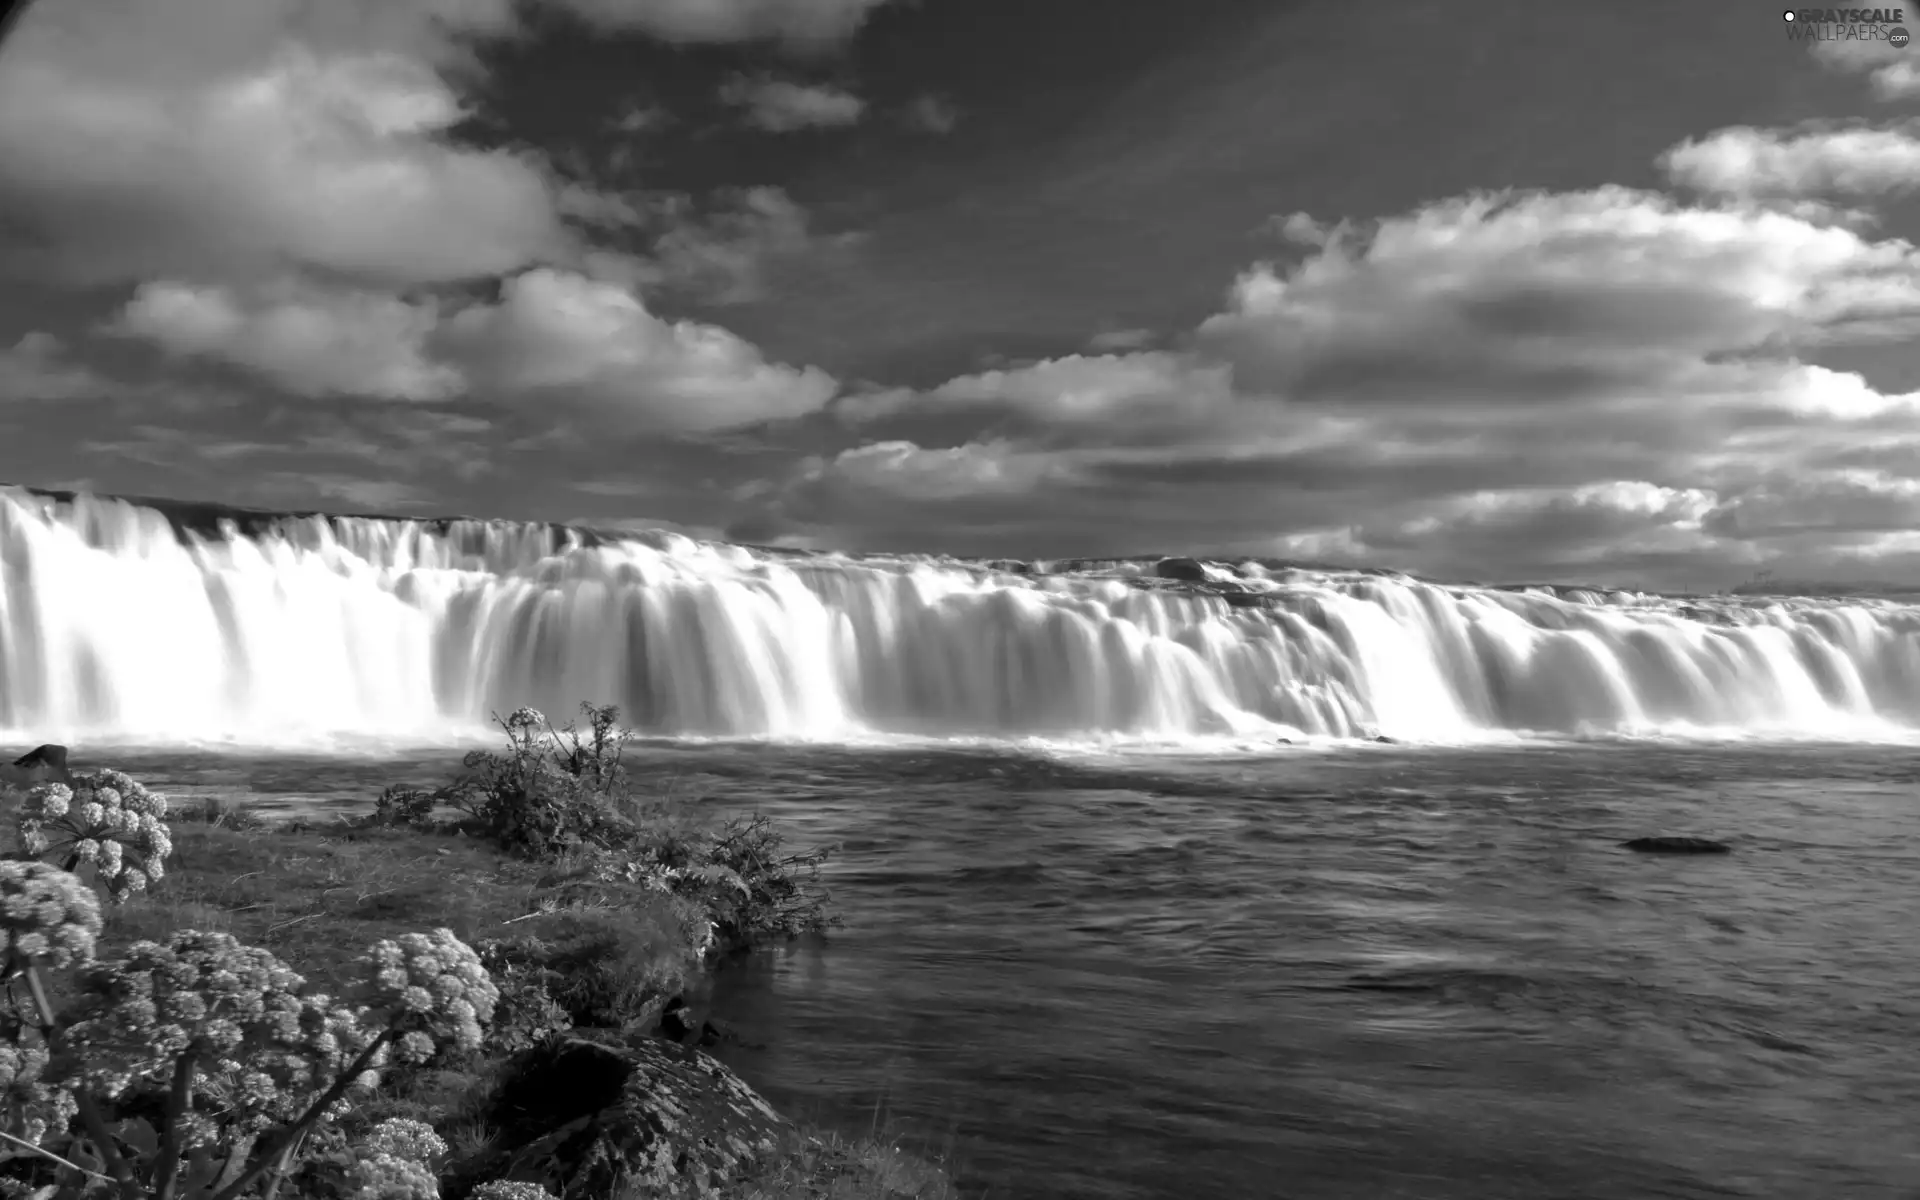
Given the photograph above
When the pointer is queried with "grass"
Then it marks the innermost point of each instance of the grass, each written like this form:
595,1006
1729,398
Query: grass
318,895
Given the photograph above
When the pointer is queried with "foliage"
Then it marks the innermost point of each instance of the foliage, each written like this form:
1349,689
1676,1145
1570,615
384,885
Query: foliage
563,794
216,1063
403,807
196,1064
601,968
554,789
502,1189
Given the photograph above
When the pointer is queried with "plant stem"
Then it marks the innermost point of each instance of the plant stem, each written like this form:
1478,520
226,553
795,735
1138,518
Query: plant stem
292,1133
179,1096
49,1155
89,1112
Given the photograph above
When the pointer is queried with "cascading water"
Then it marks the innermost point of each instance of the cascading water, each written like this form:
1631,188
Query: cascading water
114,623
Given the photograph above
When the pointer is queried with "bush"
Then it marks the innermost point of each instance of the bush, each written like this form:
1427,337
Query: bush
564,795
553,790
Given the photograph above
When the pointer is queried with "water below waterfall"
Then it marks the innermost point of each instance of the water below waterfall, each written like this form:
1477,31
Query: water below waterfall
122,622
1345,973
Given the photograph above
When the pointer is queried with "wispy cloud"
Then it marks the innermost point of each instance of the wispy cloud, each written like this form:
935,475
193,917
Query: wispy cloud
782,106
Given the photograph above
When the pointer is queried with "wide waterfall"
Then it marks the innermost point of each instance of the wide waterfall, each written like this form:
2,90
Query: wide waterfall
118,621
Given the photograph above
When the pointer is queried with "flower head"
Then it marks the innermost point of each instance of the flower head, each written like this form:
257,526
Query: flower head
432,984
46,914
511,1189
387,1177
402,1138
264,1051
32,1106
108,820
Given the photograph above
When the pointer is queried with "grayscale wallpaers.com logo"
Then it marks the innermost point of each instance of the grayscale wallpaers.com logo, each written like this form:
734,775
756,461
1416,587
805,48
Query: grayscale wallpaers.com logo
1848,25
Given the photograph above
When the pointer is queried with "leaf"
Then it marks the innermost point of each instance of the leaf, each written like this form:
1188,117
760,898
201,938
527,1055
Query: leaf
720,873
139,1134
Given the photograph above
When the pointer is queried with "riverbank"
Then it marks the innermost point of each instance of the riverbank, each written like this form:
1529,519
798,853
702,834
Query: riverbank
588,947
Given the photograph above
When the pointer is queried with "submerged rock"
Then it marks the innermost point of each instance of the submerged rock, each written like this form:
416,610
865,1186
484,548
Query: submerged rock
586,1118
1186,570
1677,845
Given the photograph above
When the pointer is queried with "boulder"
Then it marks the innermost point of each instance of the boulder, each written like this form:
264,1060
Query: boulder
38,765
586,1117
1677,845
1186,570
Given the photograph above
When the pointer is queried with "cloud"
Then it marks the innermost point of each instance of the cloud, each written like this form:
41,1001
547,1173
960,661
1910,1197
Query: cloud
802,23
1524,384
722,256
236,140
291,488
38,367
1747,162
1122,339
1075,389
1540,297
1890,71
558,336
931,114
310,342
781,106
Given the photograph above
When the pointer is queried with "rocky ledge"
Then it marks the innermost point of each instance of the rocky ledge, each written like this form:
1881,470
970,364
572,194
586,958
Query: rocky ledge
591,1114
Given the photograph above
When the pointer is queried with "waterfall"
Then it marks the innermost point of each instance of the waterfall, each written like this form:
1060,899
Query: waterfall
118,621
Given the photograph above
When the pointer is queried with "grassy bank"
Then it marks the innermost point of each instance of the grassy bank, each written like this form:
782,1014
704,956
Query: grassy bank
590,908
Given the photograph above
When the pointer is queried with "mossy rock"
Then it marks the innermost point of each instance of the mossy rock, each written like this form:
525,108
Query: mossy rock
587,1117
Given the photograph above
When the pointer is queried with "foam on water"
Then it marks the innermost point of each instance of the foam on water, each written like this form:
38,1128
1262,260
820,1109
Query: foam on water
119,624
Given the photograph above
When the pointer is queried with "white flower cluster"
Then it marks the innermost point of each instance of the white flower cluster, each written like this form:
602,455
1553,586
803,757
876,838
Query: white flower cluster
107,819
433,988
525,718
395,1162
511,1189
31,1106
384,1177
264,1051
47,916
403,1138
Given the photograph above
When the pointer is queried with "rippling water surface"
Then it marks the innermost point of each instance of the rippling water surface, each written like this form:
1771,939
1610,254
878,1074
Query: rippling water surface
1377,972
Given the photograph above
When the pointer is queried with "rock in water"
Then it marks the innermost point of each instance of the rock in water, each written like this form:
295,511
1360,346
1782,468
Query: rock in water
38,765
1677,845
1186,570
587,1118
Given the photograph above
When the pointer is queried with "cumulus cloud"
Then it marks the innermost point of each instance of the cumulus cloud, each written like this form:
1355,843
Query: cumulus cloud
1891,72
567,337
1543,385
311,342
1537,297
782,106
1748,162
212,141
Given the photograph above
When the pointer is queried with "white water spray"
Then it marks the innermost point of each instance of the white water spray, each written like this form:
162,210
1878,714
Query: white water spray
115,625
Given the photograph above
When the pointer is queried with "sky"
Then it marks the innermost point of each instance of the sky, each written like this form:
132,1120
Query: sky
1508,290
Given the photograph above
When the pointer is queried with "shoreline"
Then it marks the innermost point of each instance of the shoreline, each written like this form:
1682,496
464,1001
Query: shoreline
584,956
